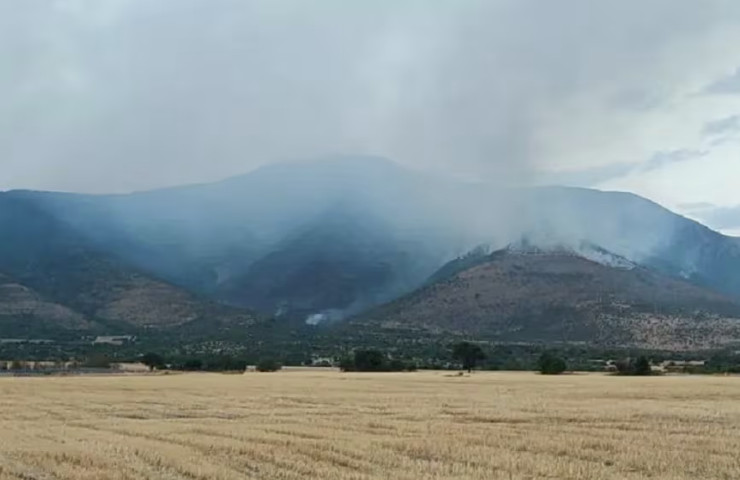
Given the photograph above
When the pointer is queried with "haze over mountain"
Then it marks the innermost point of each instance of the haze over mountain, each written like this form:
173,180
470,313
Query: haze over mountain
321,239
53,279
421,134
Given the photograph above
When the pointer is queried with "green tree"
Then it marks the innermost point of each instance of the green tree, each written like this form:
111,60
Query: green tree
153,360
549,364
642,366
469,354
370,361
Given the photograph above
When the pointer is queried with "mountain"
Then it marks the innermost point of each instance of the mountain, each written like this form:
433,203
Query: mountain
54,280
305,237
526,294
321,239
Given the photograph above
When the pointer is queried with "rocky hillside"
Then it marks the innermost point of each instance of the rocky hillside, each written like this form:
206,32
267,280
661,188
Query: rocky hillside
560,296
24,311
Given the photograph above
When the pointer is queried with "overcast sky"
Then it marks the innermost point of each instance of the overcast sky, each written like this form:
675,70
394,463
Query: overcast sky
121,95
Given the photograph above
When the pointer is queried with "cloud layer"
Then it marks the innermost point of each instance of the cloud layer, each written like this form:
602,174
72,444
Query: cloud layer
118,95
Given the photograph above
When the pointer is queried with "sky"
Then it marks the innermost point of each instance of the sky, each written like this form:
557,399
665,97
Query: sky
123,95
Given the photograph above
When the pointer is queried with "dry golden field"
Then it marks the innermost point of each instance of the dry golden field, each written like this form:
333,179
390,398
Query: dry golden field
329,425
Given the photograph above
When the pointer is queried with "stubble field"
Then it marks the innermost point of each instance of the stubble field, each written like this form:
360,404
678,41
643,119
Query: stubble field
329,425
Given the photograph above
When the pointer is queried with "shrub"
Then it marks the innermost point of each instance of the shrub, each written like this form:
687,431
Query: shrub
640,366
370,361
347,364
225,363
192,364
374,361
549,364
97,361
268,365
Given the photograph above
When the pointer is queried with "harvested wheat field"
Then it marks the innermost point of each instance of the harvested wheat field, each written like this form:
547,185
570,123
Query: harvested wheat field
330,425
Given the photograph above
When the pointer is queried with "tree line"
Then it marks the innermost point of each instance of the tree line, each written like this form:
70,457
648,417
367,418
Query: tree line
462,355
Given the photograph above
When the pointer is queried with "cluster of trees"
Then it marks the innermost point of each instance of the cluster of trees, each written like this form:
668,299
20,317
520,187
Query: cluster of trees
374,361
220,363
721,363
215,363
470,355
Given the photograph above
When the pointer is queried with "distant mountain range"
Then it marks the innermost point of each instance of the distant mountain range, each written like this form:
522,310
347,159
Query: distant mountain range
340,237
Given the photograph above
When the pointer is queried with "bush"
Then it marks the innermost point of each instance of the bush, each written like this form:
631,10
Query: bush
97,361
192,364
640,367
224,363
374,361
347,364
370,361
549,364
268,365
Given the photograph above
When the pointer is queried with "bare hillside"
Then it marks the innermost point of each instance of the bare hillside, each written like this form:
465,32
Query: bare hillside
23,308
560,296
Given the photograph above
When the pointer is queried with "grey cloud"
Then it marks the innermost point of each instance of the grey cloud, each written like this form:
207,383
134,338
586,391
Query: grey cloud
722,126
662,159
637,99
589,177
124,94
729,85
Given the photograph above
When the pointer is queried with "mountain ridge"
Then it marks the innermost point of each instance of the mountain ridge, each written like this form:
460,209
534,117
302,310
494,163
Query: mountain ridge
330,237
